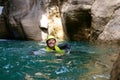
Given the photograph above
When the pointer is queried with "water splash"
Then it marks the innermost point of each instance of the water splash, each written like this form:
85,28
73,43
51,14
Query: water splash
63,69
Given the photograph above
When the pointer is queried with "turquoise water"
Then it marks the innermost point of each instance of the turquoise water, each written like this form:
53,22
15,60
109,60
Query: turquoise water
17,63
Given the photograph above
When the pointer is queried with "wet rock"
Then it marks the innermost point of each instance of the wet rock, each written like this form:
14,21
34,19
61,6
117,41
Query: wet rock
115,73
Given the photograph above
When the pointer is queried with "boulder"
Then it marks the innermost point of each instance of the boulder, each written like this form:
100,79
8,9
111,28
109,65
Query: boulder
23,18
111,31
115,73
105,20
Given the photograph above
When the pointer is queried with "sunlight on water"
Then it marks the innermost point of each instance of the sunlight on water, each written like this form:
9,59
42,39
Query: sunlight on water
17,62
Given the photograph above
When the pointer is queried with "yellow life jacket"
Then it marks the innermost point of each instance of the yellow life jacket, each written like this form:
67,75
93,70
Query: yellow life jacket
56,49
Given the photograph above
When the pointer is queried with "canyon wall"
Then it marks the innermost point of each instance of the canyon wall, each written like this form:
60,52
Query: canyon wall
91,20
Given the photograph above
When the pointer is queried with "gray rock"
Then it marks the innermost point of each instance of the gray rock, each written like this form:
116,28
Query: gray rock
24,18
105,19
77,18
115,73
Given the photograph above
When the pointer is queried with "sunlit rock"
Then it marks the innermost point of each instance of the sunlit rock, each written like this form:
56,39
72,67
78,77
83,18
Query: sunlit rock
105,20
111,31
55,26
44,26
95,20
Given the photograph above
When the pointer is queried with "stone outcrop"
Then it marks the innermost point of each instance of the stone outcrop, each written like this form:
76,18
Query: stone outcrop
23,18
95,20
55,26
105,20
111,31
106,27
115,74
33,20
77,18
2,2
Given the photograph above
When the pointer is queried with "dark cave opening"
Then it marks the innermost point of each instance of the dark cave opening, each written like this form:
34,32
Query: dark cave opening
78,25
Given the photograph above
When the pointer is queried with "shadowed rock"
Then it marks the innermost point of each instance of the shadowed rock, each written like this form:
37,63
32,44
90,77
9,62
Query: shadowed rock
115,73
23,18
77,18
2,2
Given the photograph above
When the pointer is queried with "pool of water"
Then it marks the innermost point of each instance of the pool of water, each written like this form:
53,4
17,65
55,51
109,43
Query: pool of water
17,63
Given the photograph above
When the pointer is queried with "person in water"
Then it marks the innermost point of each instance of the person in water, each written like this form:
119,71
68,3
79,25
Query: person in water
52,47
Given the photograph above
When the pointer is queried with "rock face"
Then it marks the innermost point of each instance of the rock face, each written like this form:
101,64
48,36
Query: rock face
106,27
3,30
55,26
111,31
106,20
115,74
77,18
23,18
95,20
2,2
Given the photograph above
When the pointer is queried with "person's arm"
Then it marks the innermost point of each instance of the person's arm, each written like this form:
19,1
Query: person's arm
58,50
